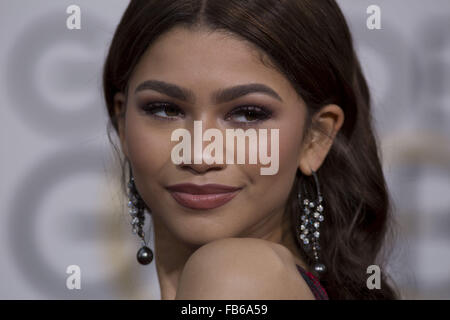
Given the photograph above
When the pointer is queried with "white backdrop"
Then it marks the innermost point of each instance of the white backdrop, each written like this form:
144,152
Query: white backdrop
59,198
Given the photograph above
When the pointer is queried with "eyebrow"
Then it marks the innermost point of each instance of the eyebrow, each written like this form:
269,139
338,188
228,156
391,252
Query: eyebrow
219,96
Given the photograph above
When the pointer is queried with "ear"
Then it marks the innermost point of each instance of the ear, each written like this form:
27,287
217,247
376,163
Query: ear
318,141
119,112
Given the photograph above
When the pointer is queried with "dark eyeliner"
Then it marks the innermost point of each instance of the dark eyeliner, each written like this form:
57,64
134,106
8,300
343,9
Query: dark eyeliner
261,112
151,107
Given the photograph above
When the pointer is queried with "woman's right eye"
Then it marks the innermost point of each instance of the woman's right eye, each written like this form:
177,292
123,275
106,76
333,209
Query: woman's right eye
165,111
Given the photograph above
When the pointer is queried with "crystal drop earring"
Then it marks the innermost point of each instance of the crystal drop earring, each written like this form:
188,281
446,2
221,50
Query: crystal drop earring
136,210
312,211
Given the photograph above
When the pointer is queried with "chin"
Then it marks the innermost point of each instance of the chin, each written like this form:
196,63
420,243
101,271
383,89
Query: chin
201,234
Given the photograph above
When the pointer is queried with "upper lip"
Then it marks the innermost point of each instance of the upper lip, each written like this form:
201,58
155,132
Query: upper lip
210,188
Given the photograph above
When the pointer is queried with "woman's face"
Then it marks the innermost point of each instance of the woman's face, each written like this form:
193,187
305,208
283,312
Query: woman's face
204,63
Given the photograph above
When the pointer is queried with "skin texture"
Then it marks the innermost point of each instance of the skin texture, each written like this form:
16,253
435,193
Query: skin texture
204,62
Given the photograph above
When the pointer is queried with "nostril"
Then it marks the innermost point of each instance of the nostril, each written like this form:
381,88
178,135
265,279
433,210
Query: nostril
199,168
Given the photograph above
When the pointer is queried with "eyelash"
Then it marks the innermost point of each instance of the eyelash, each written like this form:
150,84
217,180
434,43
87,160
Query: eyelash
260,112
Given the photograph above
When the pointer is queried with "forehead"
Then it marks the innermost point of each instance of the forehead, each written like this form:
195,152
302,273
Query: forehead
185,48
201,59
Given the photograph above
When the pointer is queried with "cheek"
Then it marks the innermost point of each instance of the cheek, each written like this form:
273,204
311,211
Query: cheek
276,188
149,148
290,137
290,142
290,127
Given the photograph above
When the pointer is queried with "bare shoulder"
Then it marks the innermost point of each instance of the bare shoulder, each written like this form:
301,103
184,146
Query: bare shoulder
241,268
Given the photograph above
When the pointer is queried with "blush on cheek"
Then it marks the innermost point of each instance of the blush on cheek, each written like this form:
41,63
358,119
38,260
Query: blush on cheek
289,149
148,149
151,154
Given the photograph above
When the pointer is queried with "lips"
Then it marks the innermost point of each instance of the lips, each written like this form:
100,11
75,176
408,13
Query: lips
202,197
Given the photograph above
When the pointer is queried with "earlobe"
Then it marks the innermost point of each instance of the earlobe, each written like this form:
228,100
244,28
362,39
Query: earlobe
119,104
306,157
119,113
308,162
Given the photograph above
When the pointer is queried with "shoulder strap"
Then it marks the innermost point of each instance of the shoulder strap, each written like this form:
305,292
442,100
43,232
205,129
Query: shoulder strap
313,283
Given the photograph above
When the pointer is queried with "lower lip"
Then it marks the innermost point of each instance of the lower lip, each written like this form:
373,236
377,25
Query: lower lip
203,201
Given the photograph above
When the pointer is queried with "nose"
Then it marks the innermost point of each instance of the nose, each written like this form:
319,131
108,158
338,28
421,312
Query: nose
211,158
203,167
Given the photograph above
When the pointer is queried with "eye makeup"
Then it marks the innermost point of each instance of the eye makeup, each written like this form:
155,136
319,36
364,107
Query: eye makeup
246,114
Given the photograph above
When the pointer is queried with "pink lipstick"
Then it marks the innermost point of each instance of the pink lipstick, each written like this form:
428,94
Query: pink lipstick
202,197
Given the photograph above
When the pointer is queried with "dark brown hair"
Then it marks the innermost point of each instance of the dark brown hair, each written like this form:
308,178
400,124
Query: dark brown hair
310,43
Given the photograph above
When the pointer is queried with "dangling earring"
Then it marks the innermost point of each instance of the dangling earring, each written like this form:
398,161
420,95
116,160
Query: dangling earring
136,209
311,217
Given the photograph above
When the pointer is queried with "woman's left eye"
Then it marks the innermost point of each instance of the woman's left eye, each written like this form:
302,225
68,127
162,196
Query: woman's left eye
248,114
